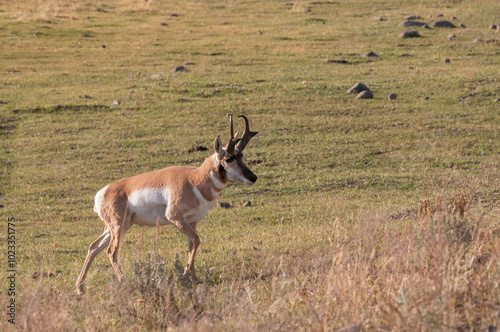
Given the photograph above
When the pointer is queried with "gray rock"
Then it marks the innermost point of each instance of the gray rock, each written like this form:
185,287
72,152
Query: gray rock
413,17
442,24
179,68
379,19
370,54
337,61
247,203
493,26
447,61
392,96
409,34
116,102
223,205
358,87
450,37
410,23
462,26
426,98
367,94
478,40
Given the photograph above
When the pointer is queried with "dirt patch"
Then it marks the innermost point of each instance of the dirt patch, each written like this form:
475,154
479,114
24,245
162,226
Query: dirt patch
7,128
61,108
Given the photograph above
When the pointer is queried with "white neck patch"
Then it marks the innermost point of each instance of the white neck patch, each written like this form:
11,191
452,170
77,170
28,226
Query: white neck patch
219,185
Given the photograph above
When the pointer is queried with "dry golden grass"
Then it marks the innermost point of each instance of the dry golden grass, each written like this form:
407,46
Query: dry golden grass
300,7
46,11
378,273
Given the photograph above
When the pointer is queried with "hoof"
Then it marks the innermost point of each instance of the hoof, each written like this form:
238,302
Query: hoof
188,272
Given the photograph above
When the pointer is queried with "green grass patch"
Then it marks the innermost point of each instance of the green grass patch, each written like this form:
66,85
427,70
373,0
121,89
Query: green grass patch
367,213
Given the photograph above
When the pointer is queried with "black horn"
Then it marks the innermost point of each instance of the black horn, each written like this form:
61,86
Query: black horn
233,139
247,135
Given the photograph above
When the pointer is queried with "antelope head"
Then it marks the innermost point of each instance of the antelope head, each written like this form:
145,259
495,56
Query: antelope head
230,157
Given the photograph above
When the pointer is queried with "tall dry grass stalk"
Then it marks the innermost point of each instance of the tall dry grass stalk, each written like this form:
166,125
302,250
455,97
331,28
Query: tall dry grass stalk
458,205
375,273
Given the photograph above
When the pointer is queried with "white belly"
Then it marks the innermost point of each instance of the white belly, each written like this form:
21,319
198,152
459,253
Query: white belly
149,206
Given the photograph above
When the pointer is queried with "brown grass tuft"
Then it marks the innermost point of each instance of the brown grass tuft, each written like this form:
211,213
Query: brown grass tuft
457,205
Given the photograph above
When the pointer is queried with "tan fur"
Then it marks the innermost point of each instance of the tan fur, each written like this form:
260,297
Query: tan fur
180,177
180,180
178,195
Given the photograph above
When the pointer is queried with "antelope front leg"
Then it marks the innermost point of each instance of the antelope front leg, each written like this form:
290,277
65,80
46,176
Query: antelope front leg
193,242
192,253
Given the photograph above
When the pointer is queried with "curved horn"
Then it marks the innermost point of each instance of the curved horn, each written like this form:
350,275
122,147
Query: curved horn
247,135
232,138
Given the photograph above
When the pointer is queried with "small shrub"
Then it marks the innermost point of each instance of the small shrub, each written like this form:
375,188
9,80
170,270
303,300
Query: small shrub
448,218
458,230
161,295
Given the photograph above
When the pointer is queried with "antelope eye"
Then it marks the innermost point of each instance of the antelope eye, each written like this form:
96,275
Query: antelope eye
229,160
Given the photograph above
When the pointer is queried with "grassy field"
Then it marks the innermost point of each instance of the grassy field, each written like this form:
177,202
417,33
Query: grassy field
369,214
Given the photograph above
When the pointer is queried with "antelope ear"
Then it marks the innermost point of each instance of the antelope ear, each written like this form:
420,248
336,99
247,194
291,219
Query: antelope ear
218,147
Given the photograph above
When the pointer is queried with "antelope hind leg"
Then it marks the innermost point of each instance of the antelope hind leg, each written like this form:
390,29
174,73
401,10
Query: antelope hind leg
95,248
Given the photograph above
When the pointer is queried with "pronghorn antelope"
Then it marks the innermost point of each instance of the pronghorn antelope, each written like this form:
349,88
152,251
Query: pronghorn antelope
178,195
